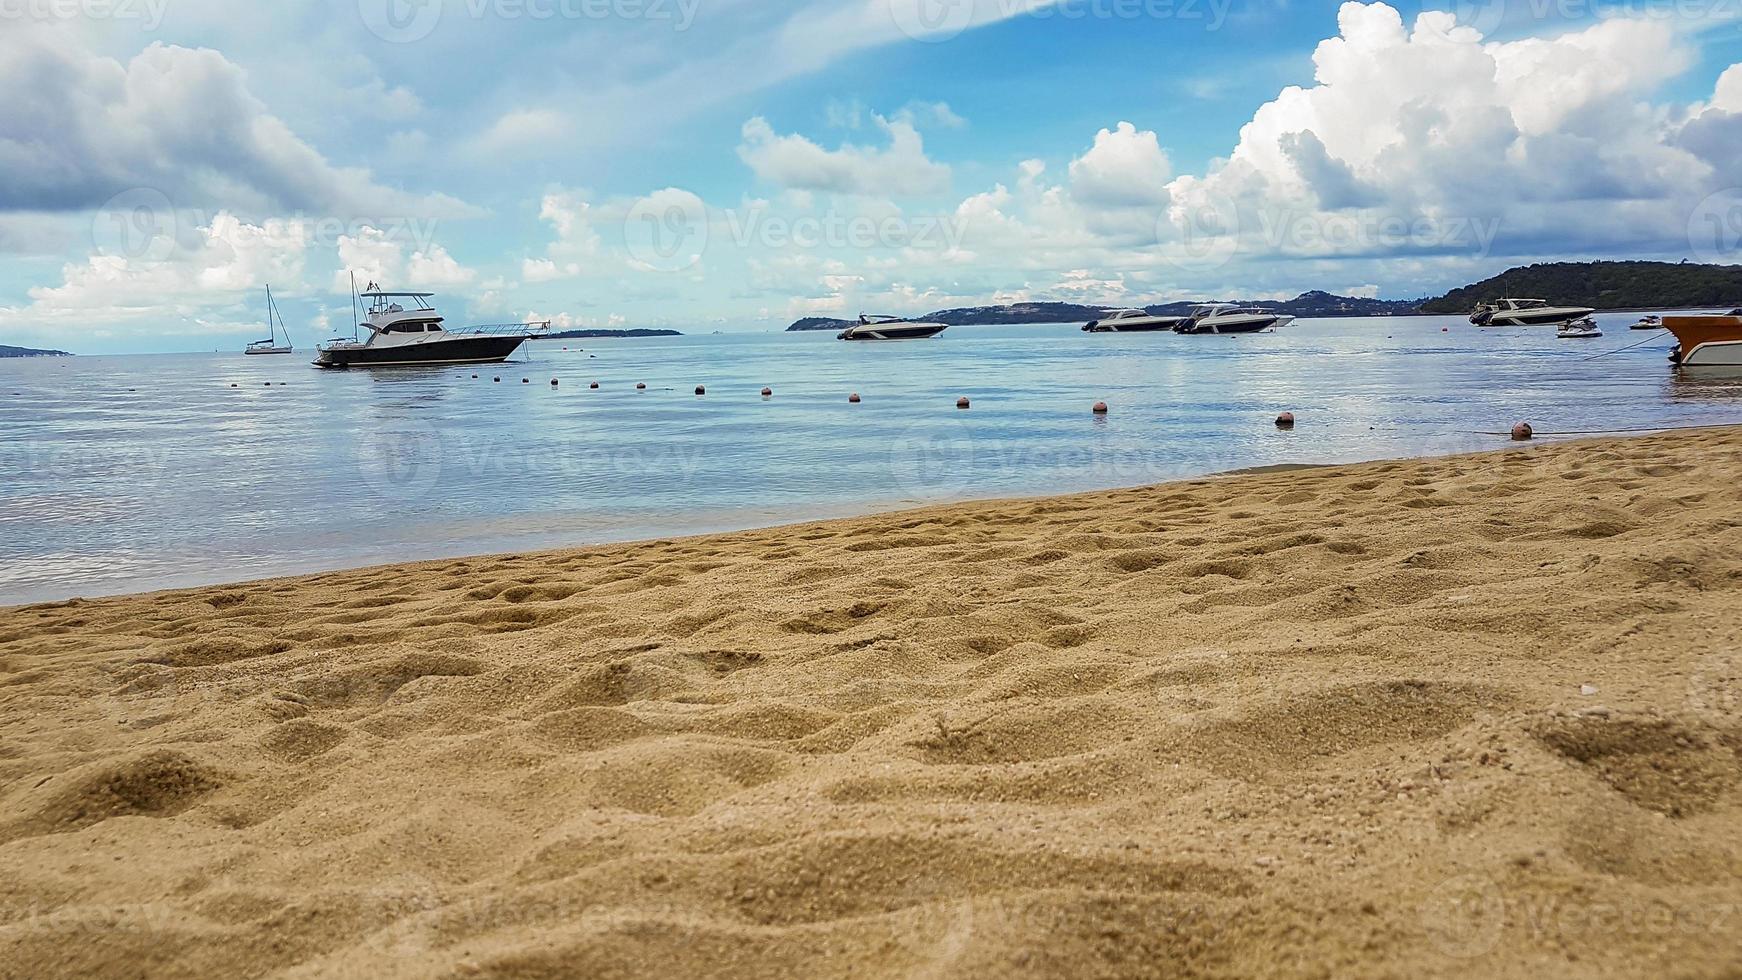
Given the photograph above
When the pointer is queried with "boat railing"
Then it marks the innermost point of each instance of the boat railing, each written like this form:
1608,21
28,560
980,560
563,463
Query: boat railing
529,330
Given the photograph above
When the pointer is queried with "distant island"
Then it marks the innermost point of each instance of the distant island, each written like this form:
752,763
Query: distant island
1604,286
1308,304
590,334
6,351
1599,285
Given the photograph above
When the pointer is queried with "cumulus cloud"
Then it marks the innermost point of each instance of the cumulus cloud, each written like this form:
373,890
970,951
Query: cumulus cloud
231,257
179,120
794,162
378,255
1124,167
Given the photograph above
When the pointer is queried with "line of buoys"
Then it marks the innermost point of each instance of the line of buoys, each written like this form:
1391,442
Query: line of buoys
1285,420
962,402
853,399
1522,432
1100,408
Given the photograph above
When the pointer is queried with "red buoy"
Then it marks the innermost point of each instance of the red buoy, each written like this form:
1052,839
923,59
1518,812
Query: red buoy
853,399
1285,420
1522,432
962,402
767,391
1100,408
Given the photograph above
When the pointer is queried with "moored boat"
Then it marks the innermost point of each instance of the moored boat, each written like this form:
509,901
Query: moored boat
1582,329
274,324
1648,323
871,327
1224,318
402,336
1131,321
1708,340
1511,312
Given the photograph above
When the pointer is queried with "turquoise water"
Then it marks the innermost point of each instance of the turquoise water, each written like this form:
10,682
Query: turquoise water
128,473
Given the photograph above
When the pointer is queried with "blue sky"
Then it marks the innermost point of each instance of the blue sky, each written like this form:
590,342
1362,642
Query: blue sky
734,164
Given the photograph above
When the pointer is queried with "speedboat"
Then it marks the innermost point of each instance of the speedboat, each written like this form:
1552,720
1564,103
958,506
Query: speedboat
890,328
1229,318
1707,341
1525,313
1131,321
1648,323
270,344
1580,329
411,333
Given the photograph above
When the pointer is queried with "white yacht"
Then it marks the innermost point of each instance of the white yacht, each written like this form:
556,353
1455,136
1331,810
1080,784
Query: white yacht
872,327
411,333
1525,313
270,344
1131,321
1230,318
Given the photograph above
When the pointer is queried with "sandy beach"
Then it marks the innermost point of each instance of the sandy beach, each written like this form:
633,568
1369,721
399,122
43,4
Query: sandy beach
1472,716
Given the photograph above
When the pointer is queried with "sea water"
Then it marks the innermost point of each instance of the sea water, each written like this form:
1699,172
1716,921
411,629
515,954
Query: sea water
127,473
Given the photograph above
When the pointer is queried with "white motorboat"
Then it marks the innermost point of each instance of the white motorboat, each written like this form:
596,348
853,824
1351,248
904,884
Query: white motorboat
401,334
1229,318
1584,328
1648,323
1707,341
1525,313
1131,321
274,325
872,327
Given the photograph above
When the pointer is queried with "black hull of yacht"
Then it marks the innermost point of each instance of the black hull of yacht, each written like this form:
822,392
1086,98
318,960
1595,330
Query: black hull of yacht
463,350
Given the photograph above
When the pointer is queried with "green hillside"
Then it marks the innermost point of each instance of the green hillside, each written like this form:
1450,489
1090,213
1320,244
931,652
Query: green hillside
1604,286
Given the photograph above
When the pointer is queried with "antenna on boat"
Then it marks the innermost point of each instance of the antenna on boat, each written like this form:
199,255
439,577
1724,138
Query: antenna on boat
355,316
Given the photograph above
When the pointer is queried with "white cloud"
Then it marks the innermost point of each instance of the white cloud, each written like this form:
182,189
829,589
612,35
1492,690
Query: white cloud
80,128
378,256
792,161
231,259
1124,168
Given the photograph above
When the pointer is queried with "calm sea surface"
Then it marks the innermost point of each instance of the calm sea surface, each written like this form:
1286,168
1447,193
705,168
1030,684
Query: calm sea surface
121,474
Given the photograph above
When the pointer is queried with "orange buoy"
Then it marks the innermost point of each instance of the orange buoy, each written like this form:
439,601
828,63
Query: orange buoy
1100,408
853,399
1522,432
701,390
1285,420
962,402
639,386
593,385
767,391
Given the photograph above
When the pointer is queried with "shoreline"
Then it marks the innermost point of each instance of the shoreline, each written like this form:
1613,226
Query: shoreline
1429,717
845,512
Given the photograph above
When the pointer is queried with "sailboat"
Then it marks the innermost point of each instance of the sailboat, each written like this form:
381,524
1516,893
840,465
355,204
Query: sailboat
274,326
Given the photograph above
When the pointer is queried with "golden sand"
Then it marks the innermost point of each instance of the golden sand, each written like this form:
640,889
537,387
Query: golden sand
1470,716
